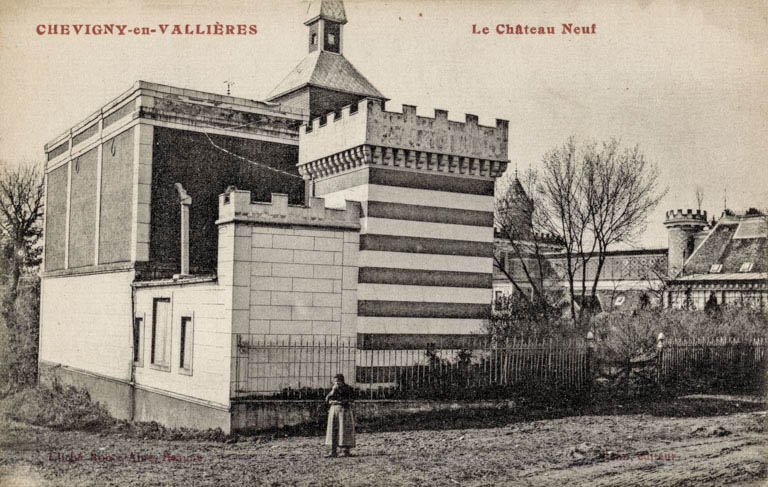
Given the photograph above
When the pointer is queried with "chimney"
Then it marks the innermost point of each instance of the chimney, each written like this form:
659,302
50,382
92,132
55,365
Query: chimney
185,201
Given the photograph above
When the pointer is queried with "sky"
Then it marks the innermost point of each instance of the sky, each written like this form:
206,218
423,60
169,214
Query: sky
685,80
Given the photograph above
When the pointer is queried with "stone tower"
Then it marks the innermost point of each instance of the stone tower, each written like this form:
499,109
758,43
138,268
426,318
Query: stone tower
426,185
682,228
324,81
515,212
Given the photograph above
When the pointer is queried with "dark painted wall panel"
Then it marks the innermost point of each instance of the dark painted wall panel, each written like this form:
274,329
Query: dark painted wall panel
55,218
82,211
205,172
452,184
116,199
323,101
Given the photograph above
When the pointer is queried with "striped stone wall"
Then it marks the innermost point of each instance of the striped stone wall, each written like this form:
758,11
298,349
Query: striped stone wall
426,255
426,237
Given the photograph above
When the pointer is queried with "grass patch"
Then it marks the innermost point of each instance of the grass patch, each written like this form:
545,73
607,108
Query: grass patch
57,407
68,408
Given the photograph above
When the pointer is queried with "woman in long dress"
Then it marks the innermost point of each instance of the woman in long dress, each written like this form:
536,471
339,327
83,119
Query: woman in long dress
341,424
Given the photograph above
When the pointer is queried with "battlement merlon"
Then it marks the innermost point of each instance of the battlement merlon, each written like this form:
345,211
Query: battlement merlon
368,123
687,217
236,206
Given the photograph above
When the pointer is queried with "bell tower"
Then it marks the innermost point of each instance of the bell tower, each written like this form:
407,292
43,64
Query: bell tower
324,81
325,19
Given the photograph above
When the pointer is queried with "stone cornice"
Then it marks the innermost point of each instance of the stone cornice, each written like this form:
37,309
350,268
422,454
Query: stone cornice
408,159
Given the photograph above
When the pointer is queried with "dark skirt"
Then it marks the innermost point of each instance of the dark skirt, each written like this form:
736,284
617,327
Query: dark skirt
341,422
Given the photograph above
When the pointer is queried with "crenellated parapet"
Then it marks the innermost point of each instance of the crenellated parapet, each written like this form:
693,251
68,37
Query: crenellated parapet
365,155
365,134
236,206
682,228
689,216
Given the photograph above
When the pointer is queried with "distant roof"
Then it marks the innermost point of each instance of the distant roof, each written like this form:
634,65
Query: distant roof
328,70
516,190
731,276
332,10
734,241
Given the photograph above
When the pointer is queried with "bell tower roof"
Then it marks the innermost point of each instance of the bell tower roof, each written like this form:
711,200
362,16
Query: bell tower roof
332,10
324,81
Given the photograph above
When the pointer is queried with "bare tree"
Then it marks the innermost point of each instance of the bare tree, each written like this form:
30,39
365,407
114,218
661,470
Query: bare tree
593,197
622,188
563,197
21,208
656,278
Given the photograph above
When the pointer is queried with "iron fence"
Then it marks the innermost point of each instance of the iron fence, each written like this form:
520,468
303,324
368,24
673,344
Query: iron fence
291,367
302,367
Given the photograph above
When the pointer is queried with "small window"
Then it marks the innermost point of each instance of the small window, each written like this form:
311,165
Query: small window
314,39
161,333
715,268
138,341
331,39
185,345
746,267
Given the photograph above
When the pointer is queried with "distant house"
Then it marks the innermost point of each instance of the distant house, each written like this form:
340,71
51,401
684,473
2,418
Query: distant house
729,262
725,260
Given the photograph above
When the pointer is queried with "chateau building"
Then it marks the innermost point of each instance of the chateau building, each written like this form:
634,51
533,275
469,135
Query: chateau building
181,226
724,263
628,280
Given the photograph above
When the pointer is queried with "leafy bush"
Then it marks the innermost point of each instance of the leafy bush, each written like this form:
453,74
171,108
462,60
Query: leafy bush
624,336
516,316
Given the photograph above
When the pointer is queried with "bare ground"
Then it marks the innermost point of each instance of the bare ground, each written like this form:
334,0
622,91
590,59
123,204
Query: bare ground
692,441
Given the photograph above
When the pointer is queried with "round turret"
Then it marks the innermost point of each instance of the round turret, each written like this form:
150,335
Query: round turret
682,226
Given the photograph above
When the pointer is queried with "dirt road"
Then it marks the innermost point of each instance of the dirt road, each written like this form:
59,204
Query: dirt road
729,448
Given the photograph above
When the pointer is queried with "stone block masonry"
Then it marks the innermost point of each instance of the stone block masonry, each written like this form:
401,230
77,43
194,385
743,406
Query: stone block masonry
426,186
294,268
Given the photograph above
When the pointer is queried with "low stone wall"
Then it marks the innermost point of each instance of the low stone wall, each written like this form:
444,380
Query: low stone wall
114,395
175,412
252,416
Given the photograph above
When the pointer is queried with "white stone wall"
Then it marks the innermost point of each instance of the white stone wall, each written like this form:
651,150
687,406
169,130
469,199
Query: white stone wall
209,378
142,189
85,323
295,280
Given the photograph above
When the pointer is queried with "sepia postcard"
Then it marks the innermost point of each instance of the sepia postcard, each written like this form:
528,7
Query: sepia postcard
353,242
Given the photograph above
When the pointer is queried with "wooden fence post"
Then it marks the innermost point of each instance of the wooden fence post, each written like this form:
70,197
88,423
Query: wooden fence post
660,360
590,360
